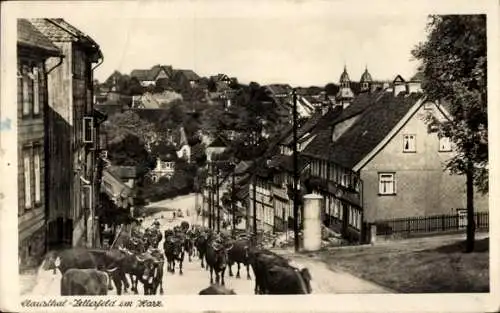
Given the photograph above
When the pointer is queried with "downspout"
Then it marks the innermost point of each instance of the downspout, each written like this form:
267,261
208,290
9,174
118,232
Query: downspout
61,59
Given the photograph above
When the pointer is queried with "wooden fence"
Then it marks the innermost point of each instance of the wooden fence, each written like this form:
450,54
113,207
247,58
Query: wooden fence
406,227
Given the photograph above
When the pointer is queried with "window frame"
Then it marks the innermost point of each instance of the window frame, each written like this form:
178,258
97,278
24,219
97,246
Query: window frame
449,143
409,150
37,174
35,71
27,179
394,186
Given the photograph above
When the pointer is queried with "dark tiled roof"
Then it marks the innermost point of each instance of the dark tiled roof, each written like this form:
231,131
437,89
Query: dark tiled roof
380,115
188,74
218,142
28,35
285,163
152,73
315,121
141,75
58,30
124,172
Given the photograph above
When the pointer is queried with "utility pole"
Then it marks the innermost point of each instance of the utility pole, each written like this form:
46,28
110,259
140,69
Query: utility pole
254,205
233,206
210,196
295,174
217,204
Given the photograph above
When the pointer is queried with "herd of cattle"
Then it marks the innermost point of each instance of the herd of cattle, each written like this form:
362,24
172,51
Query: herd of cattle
92,271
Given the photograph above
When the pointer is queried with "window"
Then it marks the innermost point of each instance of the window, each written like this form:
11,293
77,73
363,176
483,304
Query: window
27,179
444,144
38,174
409,143
36,91
27,90
387,184
88,130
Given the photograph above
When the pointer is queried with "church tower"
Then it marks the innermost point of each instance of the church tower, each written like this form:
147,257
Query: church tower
345,95
366,81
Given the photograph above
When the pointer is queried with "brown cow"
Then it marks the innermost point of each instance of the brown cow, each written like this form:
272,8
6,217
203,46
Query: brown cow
84,282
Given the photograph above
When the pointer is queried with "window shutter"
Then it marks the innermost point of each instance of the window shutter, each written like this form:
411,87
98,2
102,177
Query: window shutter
26,97
36,92
38,173
27,180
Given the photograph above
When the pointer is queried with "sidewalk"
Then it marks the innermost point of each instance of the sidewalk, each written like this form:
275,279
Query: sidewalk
326,281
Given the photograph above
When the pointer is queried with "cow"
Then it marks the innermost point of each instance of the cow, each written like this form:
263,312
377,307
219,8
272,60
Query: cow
216,290
109,261
261,260
189,243
152,276
217,258
239,254
153,237
174,251
201,245
287,280
184,226
84,282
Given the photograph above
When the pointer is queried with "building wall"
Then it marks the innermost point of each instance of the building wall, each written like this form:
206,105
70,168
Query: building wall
70,94
422,187
30,138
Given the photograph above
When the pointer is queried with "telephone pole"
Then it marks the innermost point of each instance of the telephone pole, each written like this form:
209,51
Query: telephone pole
217,204
295,175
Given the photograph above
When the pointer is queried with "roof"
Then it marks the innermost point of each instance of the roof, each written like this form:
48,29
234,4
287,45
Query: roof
279,89
242,167
344,77
218,142
123,172
378,115
310,124
28,35
58,30
366,77
152,73
285,162
188,74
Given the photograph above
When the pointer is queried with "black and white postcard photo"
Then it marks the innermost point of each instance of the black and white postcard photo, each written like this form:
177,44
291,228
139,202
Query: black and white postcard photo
331,155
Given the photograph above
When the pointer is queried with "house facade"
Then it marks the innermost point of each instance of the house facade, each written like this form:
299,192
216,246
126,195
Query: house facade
33,49
408,166
72,130
380,160
150,77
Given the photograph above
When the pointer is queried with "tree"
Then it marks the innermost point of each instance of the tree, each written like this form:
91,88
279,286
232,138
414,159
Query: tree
453,64
129,122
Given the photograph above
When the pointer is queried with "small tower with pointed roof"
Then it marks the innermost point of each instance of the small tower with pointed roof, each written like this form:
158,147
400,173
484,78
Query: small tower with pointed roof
366,80
345,95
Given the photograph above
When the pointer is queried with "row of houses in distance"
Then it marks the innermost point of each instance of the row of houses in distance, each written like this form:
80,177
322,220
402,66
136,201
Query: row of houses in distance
372,156
58,137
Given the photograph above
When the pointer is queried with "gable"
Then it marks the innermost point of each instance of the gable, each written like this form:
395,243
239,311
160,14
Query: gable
398,79
426,155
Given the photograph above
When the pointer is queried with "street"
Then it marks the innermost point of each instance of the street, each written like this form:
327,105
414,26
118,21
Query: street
194,279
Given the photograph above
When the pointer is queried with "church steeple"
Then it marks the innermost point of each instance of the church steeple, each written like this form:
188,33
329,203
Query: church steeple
345,94
366,80
344,78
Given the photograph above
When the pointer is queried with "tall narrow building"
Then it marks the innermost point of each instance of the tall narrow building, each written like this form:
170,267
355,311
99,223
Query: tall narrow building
33,49
345,95
366,81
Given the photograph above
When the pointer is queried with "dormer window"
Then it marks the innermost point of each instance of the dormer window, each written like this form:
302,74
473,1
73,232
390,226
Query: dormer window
409,143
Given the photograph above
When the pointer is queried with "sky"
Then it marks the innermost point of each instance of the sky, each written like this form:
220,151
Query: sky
298,49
